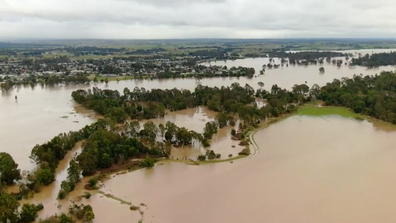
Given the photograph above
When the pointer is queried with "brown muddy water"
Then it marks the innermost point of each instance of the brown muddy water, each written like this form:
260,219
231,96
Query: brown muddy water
194,119
312,170
43,112
308,170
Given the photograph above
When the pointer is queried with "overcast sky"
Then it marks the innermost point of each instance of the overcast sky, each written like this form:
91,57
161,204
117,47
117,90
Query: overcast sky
157,19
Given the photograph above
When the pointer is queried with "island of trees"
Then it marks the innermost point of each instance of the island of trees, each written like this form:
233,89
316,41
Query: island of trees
375,60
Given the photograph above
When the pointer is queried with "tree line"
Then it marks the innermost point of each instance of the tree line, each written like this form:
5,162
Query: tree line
376,60
370,95
45,80
306,55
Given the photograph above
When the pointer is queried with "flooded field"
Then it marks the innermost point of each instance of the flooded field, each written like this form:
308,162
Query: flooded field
195,119
313,169
43,112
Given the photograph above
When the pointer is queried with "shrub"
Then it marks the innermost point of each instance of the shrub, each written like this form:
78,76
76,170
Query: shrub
243,143
211,154
92,182
205,144
201,158
233,132
244,152
147,163
29,212
87,195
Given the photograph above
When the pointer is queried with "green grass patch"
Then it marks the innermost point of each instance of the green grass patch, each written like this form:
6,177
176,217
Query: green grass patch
311,110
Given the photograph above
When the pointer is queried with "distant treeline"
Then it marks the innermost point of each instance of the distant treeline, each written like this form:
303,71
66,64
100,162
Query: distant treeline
46,80
306,55
376,60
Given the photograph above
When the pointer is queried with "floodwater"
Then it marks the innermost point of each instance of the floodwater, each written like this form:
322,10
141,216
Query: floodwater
37,115
308,170
316,154
287,77
195,119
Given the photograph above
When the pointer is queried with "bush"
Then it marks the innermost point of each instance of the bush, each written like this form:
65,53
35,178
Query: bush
205,144
29,212
147,163
201,158
233,132
87,195
134,208
218,156
66,188
61,194
92,182
243,143
63,218
244,152
82,212
211,154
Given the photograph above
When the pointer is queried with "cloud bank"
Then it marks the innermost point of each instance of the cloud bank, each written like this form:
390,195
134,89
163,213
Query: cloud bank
157,19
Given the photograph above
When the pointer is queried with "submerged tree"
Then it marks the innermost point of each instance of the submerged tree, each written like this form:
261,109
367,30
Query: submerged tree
9,171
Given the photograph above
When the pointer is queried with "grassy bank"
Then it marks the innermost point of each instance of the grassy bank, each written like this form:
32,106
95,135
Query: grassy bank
314,110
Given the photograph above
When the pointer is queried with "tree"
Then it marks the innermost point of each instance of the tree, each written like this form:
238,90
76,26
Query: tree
149,130
74,171
87,163
162,129
8,208
44,176
118,115
321,70
29,212
171,129
198,78
209,130
9,171
82,212
261,84
134,128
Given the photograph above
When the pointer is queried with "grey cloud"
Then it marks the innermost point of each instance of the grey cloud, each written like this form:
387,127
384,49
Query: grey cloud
197,18
175,2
